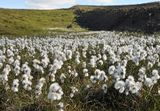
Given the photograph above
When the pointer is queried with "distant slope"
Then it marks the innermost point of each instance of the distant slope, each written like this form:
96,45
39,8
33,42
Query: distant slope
142,17
151,4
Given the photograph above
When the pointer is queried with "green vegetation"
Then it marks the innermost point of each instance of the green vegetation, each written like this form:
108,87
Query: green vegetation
133,18
32,22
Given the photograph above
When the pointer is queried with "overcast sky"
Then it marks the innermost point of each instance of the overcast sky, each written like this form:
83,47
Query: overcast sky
54,4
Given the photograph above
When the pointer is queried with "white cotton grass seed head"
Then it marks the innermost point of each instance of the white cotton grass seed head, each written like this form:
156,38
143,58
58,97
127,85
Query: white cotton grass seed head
124,63
88,86
15,85
84,64
42,80
71,95
150,65
55,92
148,82
159,91
104,57
104,88
100,62
60,106
52,77
130,78
85,72
158,64
93,79
142,71
101,76
120,85
154,72
111,70
38,89
62,77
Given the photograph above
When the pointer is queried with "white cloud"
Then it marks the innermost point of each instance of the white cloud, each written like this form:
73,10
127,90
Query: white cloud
49,4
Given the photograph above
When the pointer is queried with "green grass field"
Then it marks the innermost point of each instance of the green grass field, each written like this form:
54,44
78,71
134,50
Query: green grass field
32,22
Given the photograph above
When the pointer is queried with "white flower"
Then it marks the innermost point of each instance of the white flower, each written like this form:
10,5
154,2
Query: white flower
150,65
158,64
148,82
155,74
71,95
10,53
18,57
39,87
99,56
62,77
52,77
101,76
74,73
73,91
100,62
17,70
135,87
120,85
84,53
6,70
136,60
10,60
37,92
26,69
15,85
5,74
93,61
84,64
159,91
104,57
77,58
55,92
93,79
111,70
142,74
42,80
16,63
61,106
85,72
104,88
26,81
45,61
36,61
124,63
27,84
69,54
130,78
1,65
119,72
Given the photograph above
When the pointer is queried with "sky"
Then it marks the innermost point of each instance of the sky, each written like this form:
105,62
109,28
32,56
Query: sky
56,4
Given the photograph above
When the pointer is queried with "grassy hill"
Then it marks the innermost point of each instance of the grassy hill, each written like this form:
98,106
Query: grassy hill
142,17
28,22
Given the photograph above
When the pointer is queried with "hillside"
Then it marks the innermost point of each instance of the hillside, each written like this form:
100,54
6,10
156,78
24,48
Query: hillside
29,22
142,17
136,18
